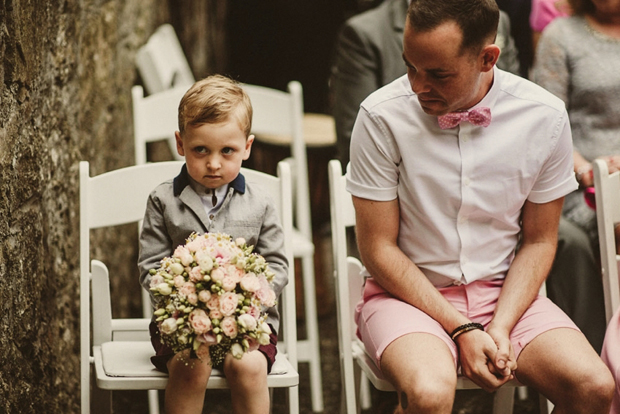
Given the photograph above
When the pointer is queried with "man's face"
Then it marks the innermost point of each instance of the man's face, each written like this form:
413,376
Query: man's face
214,152
445,78
607,8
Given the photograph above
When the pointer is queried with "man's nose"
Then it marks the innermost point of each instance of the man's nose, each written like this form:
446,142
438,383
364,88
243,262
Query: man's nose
418,83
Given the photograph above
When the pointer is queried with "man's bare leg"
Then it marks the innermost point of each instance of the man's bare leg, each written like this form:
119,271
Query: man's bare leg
564,367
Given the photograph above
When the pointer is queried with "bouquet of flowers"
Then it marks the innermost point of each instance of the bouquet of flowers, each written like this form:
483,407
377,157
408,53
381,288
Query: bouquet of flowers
211,296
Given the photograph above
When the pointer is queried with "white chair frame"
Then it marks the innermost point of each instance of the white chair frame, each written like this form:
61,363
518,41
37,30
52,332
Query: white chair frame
356,364
278,117
607,196
155,119
119,197
162,63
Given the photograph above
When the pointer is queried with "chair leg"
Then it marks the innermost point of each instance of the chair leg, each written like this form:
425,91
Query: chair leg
310,351
365,397
545,406
504,400
153,396
293,400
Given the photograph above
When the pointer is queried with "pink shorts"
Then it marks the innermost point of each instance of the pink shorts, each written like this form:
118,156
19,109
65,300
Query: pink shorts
381,318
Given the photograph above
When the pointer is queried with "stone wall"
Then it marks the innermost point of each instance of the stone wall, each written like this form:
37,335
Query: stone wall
67,67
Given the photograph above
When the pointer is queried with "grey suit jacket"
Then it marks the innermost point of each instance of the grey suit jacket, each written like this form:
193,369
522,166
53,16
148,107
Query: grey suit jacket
174,210
368,55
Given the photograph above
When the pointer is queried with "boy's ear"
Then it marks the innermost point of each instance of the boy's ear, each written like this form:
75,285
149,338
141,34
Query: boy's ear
179,140
248,147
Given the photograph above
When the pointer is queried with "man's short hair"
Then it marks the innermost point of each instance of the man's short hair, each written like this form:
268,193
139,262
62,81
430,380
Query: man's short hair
215,99
478,19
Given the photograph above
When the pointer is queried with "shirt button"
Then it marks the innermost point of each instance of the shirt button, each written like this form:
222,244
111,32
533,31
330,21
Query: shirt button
211,216
466,181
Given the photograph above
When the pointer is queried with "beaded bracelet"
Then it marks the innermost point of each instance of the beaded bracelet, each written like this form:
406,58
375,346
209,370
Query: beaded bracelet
465,328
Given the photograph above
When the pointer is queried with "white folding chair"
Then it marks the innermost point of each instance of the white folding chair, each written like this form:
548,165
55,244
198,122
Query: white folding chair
121,348
278,118
607,196
155,119
162,63
356,364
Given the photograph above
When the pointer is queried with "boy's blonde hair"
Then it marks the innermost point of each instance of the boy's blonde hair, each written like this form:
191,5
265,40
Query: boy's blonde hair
215,99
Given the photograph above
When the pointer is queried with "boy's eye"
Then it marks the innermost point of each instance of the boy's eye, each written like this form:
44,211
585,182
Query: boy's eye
200,150
228,151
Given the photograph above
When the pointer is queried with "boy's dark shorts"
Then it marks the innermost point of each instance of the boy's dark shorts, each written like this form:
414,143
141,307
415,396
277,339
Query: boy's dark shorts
163,352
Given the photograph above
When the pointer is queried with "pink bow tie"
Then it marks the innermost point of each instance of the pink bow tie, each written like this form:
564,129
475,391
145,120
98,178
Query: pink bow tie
479,116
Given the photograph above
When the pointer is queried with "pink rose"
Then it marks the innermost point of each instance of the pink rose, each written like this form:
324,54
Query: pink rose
228,303
197,244
254,311
200,321
207,338
192,298
187,289
217,275
229,283
250,283
195,275
234,272
204,296
215,314
265,294
179,281
213,303
229,327
183,254
156,280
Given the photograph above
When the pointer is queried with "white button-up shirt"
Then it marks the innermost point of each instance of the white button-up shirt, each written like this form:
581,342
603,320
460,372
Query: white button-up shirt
461,190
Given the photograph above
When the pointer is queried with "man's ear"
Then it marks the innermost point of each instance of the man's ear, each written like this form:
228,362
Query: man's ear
489,55
179,140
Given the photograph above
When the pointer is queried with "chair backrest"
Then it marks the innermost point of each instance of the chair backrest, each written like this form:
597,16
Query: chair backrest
347,273
120,197
155,119
110,199
278,118
607,196
162,63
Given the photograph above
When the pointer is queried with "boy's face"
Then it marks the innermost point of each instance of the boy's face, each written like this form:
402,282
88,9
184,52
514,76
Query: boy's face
214,152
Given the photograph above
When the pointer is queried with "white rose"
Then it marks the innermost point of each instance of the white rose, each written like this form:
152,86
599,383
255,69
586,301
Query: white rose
177,269
164,289
168,326
236,350
247,322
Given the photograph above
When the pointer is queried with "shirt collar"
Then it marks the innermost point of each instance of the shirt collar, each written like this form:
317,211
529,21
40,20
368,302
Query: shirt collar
183,180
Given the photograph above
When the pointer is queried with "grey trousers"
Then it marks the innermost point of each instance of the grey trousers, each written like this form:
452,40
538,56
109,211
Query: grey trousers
575,283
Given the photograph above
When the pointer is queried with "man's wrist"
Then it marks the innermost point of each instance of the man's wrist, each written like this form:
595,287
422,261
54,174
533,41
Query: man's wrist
584,175
470,326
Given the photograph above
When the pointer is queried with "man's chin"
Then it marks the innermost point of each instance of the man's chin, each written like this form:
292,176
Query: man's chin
434,108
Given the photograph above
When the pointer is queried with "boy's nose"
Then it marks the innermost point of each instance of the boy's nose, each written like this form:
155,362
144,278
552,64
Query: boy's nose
213,163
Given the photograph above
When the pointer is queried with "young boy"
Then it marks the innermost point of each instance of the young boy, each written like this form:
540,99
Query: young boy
210,195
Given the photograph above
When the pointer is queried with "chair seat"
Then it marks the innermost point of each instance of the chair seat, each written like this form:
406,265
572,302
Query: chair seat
375,375
127,365
319,131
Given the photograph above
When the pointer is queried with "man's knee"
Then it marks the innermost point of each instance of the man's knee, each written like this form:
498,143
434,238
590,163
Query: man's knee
599,386
435,395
